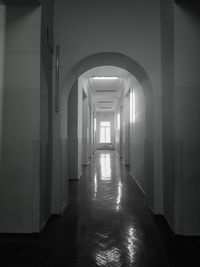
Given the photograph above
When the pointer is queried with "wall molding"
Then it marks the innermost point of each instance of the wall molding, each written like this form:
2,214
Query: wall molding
133,177
64,208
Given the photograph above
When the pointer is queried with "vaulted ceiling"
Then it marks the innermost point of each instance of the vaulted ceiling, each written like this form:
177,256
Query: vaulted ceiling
106,93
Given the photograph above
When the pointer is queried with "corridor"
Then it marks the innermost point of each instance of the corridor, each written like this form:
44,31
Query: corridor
99,133
107,223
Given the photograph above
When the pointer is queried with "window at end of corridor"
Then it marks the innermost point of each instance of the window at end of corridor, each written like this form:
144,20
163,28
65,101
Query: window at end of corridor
105,134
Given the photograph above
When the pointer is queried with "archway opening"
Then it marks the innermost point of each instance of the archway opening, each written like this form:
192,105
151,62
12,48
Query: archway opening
73,132
109,103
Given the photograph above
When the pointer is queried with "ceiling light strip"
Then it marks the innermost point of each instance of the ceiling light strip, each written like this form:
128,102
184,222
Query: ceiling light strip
102,102
106,91
105,77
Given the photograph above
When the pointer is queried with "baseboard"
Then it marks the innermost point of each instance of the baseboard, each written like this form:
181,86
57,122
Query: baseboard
188,238
19,234
167,231
86,164
151,209
25,233
35,234
76,179
79,177
163,226
132,176
44,225
63,209
117,154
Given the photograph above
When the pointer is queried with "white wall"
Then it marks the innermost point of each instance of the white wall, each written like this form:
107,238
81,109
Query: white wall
117,133
46,114
85,129
19,188
74,124
27,85
167,67
125,122
91,131
80,108
137,138
132,136
187,110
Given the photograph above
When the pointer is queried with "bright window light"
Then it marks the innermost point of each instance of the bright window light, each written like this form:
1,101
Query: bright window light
132,107
105,78
95,124
105,123
105,133
118,121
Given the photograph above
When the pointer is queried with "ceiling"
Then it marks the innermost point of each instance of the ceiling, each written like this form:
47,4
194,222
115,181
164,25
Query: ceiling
106,93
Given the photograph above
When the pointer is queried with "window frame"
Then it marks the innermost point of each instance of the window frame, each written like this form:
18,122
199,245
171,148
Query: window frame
105,130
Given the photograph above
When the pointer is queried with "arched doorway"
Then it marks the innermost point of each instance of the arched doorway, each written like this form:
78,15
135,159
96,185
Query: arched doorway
71,82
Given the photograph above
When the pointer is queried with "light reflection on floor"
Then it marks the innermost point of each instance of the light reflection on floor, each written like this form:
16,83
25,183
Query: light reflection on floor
119,195
131,241
108,185
109,227
109,257
95,186
107,224
105,163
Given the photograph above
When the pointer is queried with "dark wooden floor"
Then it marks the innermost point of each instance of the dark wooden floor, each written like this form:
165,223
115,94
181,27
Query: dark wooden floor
107,223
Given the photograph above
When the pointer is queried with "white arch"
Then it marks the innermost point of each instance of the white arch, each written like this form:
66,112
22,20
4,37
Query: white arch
133,67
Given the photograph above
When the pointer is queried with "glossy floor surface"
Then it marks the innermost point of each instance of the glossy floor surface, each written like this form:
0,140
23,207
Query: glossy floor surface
107,223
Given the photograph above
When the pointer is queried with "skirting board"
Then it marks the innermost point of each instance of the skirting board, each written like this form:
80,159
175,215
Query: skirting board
44,225
132,176
79,177
117,154
163,225
76,179
64,208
